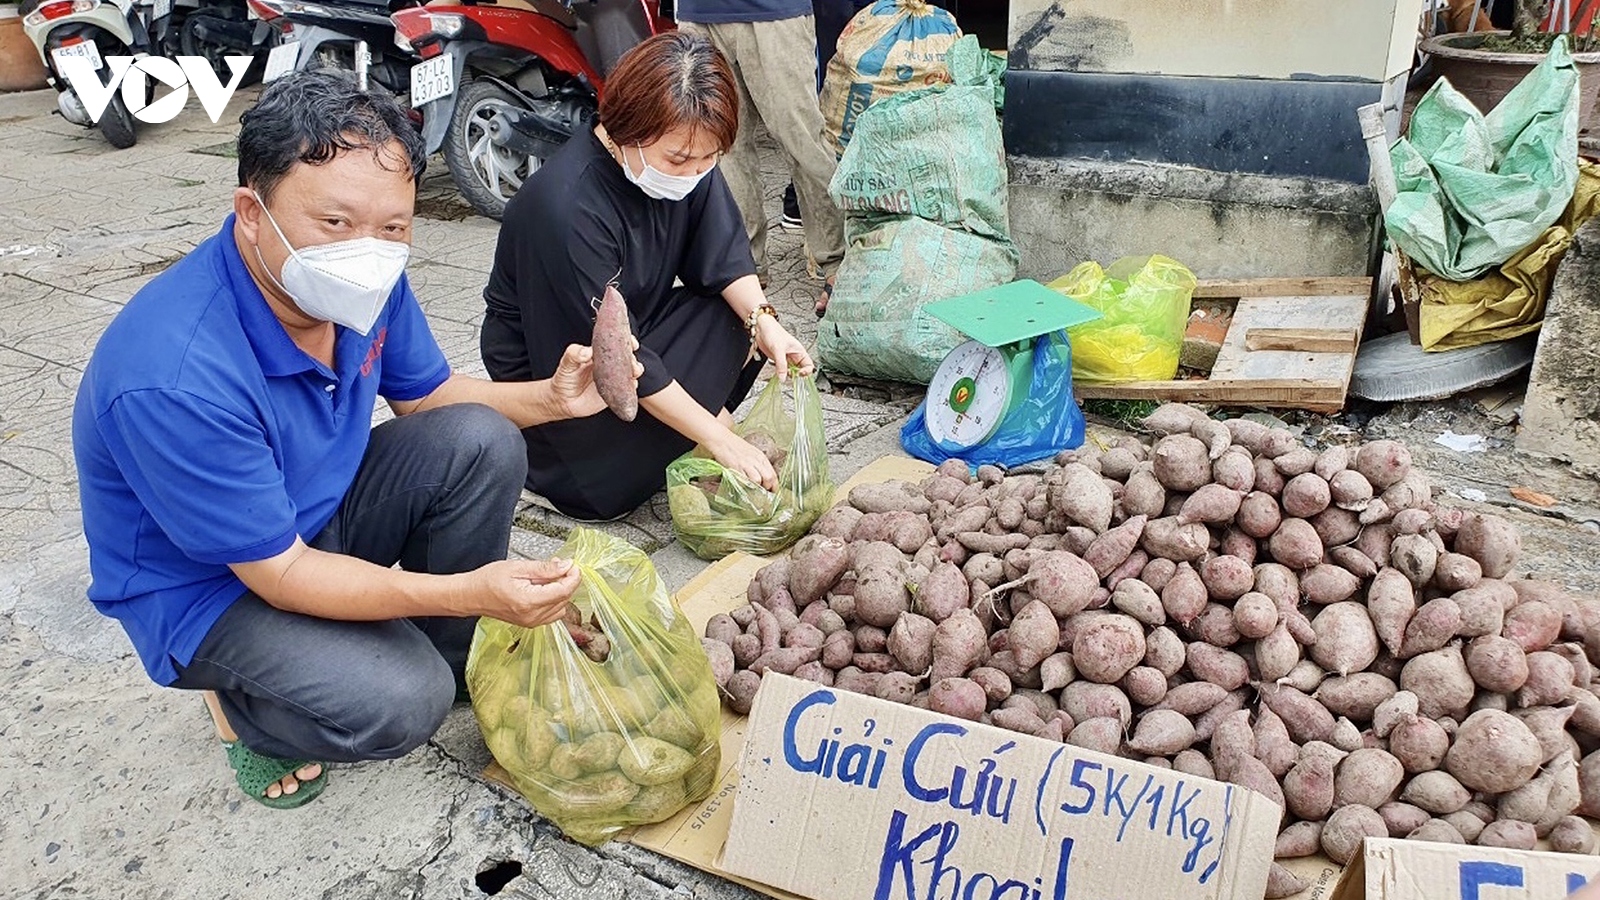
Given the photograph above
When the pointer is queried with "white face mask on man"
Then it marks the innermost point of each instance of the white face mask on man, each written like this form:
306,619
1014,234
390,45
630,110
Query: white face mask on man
345,282
658,184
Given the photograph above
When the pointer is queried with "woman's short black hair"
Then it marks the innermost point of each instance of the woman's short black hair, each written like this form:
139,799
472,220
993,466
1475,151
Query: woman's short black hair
308,116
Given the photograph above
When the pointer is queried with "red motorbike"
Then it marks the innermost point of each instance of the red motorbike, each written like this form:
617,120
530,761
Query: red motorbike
503,83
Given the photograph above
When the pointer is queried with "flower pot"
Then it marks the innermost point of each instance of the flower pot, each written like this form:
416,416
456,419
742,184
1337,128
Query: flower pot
1485,77
20,66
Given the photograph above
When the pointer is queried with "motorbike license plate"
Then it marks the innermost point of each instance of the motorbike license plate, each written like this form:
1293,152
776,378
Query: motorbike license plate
280,61
432,79
83,49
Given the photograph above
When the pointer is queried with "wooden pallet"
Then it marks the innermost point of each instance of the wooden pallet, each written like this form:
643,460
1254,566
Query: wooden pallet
1292,343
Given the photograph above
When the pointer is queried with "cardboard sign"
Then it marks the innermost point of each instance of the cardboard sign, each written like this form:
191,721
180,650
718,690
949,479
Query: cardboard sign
846,797
1390,869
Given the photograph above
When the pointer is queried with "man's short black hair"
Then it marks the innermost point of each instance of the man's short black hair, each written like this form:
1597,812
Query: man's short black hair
308,116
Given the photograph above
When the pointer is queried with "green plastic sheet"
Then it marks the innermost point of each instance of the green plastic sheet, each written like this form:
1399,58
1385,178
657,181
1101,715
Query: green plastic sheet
1475,189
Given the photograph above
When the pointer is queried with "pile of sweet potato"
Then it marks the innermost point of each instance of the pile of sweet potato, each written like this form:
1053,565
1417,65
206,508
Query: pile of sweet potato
1223,601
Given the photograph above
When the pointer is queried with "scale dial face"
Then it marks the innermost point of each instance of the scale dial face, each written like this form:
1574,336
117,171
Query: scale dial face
968,396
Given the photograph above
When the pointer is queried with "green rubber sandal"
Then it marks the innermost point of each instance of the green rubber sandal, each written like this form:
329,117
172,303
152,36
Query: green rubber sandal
255,773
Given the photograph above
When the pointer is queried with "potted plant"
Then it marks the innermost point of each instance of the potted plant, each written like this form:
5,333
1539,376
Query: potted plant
1485,65
21,69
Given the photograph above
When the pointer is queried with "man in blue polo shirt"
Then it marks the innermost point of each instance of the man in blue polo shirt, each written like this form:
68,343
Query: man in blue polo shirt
245,519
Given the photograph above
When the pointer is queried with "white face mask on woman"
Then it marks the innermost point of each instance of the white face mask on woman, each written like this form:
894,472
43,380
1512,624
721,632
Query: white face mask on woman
345,282
658,184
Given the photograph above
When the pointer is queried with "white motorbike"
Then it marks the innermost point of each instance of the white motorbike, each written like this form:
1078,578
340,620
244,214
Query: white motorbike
92,30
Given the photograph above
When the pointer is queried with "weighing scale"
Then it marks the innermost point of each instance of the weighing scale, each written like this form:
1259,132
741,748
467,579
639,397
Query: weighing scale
982,380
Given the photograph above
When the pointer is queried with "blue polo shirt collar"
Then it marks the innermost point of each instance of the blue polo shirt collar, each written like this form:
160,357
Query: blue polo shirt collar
278,354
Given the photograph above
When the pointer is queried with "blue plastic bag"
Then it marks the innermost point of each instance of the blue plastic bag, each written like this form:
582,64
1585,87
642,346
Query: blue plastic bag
1046,422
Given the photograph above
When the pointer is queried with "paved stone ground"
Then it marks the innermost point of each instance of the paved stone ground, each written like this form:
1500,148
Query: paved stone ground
111,787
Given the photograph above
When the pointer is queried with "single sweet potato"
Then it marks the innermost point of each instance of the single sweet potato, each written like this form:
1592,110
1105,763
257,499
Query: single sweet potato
958,645
1325,584
942,592
1305,495
1212,504
1534,625
1181,462
1145,685
1184,596
1441,682
1383,463
1347,828
1295,544
1434,625
1336,527
1063,582
959,697
1346,639
1255,615
812,574
1110,549
614,361
1491,540
1391,602
1227,577
1259,515
1306,719
1510,834
1403,818
1143,495
741,691
1350,490
1235,471
1493,752
1162,732
1167,537
1367,777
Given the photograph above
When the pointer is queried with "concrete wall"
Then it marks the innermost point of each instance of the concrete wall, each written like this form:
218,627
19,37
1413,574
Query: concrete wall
1561,413
1220,225
1362,40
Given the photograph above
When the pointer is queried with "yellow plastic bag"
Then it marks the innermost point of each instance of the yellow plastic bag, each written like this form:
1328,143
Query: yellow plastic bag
716,512
1145,304
623,730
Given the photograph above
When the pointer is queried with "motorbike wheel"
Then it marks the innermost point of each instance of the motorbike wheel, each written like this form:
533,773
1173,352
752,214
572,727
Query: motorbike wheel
117,123
486,175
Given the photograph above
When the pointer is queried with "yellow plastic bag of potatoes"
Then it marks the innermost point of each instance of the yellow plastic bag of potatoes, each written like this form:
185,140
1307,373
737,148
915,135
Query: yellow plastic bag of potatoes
716,512
610,718
1144,304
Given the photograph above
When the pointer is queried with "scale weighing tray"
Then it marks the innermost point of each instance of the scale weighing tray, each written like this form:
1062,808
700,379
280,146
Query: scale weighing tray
1011,313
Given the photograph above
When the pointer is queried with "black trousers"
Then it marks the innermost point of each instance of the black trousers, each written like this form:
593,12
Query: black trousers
435,493
601,467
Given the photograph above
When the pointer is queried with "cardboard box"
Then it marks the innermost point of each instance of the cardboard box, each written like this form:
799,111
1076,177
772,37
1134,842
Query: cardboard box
1389,869
847,796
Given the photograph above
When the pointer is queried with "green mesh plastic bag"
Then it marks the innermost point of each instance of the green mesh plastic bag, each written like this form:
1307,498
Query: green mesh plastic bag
609,719
716,511
1144,302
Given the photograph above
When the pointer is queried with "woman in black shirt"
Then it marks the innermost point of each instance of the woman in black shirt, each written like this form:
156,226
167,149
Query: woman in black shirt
638,203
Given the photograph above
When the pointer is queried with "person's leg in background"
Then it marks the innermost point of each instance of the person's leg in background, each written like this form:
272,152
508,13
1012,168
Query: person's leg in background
741,165
781,83
831,17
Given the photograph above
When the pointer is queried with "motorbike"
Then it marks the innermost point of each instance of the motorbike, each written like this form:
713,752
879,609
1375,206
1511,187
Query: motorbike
356,35
502,85
93,30
216,29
